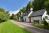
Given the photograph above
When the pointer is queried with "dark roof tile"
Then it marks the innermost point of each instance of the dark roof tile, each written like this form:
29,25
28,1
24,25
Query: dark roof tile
38,13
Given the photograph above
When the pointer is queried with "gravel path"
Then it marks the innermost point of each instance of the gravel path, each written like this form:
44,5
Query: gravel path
30,28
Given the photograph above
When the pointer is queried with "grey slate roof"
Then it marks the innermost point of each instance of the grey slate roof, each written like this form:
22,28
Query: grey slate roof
38,13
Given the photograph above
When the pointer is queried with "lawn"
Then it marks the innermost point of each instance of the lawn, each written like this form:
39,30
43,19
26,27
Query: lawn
8,27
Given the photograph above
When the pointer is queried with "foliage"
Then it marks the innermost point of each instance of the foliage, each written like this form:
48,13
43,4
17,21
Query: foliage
38,4
29,5
45,23
12,17
47,6
41,4
3,15
17,16
23,10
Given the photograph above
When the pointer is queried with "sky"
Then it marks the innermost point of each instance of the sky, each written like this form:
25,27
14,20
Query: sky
13,5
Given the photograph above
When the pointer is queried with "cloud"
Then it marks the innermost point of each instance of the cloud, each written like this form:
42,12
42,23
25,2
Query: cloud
14,12
28,0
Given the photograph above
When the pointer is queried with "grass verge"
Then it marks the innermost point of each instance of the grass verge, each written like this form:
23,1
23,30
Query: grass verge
8,27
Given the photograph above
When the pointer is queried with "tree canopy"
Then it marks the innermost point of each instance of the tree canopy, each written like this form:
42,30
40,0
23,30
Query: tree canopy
29,5
38,4
47,6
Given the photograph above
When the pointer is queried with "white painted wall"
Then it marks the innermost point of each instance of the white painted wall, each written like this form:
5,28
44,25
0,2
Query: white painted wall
27,19
19,19
36,18
31,19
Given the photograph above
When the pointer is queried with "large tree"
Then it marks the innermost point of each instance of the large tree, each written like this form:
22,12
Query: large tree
47,6
29,5
41,4
38,4
23,10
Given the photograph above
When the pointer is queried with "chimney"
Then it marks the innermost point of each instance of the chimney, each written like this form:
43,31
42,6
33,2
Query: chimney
31,11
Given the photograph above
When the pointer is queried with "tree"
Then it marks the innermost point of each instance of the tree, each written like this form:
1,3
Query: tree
45,24
47,6
12,17
38,4
29,5
3,15
23,10
41,4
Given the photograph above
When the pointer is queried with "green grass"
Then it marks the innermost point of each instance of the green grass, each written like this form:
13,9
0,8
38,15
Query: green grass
41,26
8,27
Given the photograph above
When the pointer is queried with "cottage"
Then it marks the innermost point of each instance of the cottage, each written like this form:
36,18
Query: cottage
25,16
38,15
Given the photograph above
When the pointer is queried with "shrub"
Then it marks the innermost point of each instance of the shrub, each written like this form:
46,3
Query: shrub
45,24
3,15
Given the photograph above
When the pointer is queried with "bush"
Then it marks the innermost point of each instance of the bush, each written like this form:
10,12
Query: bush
45,24
3,15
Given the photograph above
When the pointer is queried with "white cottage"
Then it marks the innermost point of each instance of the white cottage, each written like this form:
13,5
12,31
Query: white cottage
26,15
26,18
38,15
